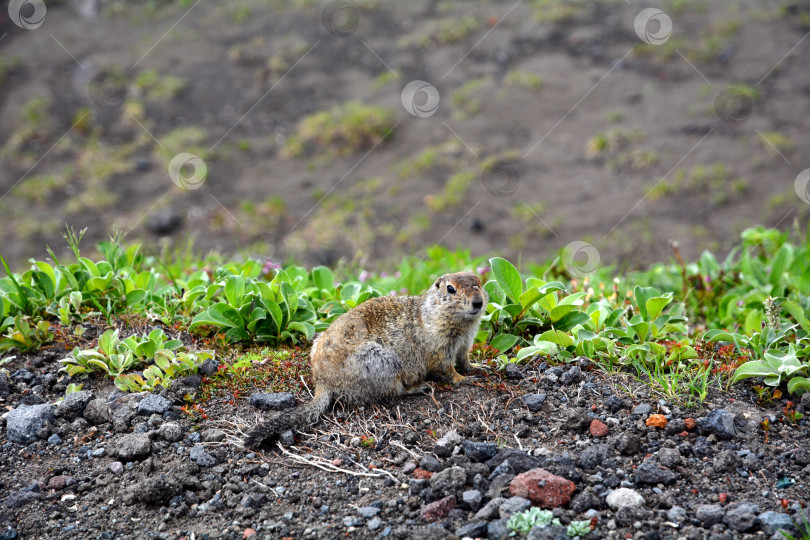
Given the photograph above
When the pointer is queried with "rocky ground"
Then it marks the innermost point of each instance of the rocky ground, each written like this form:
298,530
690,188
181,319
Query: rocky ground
456,463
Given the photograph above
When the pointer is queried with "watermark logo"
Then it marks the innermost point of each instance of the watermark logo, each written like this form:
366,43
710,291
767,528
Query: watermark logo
802,186
420,99
501,179
28,14
340,18
107,90
734,106
187,171
580,258
653,26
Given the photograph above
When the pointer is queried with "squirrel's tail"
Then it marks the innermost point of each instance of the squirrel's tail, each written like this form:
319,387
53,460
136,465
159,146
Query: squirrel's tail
302,415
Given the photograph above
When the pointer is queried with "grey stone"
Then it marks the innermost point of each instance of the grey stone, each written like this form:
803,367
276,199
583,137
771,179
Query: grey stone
368,512
513,372
577,419
133,447
805,401
628,444
201,457
726,461
374,524
741,516
490,510
499,485
21,498
802,453
171,431
572,376
99,452
97,411
287,437
212,435
272,402
642,409
624,498
585,501
447,443
519,461
479,451
472,499
651,472
549,532
23,376
117,468
771,522
534,402
497,529
430,463
513,505
593,456
55,439
724,425
159,489
709,514
154,404
253,500
209,367
614,403
669,457
448,480
24,423
4,385
676,514
477,529
73,405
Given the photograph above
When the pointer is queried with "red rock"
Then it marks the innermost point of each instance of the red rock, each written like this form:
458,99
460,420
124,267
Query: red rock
60,482
723,497
248,533
422,474
542,488
657,420
598,429
683,434
439,509
689,423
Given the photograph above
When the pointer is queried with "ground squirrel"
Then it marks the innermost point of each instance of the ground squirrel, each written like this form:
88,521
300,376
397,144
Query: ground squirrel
386,347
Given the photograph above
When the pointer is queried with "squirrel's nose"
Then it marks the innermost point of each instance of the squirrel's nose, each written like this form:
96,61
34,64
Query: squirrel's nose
477,303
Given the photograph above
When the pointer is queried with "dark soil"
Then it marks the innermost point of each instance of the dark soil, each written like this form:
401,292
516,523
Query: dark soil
369,471
243,99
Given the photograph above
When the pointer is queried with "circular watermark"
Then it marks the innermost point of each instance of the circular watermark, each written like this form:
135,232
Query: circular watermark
734,106
420,99
28,14
580,258
340,18
653,26
802,186
187,171
107,90
501,179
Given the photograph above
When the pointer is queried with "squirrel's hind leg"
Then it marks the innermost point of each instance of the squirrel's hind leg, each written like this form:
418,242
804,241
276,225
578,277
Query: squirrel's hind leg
374,372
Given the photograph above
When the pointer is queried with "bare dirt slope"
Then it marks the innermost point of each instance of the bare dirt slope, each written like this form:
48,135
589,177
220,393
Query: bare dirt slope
556,123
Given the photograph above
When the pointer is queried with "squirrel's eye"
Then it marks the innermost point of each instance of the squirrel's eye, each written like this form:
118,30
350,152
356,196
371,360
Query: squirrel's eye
451,289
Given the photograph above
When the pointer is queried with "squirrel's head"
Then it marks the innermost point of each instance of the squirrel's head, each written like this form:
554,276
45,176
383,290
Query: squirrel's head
461,294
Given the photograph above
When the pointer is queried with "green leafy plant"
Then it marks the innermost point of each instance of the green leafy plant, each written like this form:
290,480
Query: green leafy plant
523,522
578,528
24,336
168,365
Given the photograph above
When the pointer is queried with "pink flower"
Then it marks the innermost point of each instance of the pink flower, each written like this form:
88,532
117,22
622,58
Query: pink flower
363,276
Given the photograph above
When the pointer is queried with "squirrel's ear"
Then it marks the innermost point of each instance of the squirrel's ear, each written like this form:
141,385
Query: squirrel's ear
438,282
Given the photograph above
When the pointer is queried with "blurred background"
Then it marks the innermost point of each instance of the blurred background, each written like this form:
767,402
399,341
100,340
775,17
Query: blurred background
360,131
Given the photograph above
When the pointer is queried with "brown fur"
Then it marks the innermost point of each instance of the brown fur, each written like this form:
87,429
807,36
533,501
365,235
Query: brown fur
386,347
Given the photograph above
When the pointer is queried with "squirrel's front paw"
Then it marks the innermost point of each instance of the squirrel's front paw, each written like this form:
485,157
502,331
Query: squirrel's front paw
458,379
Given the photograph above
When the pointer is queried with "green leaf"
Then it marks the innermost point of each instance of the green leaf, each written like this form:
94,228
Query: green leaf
234,289
323,278
504,342
656,305
258,314
570,320
135,297
797,313
798,385
495,292
303,327
752,368
546,348
642,294
780,262
349,292
225,315
555,336
108,341
275,312
508,277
